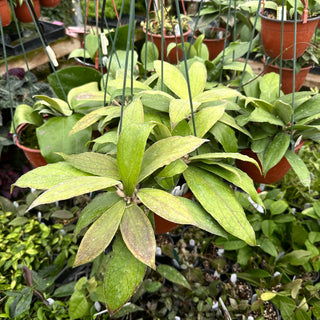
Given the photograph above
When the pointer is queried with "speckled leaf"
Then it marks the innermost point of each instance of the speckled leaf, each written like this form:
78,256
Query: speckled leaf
138,234
231,122
123,276
133,113
72,188
217,94
226,136
90,119
203,219
299,168
206,118
156,100
180,109
283,110
56,104
46,177
275,151
173,275
198,78
207,157
95,163
218,199
236,177
173,79
131,145
94,209
165,205
165,151
100,234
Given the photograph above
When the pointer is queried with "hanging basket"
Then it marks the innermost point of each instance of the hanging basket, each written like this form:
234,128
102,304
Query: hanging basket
176,54
23,14
287,77
34,156
215,46
271,36
5,13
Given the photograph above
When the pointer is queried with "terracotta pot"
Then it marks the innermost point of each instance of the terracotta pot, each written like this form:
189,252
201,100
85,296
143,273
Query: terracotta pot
5,13
34,156
274,175
271,36
49,3
287,77
215,46
23,14
172,58
162,225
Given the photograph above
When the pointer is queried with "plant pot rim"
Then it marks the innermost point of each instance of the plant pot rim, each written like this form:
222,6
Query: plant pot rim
288,21
284,68
21,146
155,35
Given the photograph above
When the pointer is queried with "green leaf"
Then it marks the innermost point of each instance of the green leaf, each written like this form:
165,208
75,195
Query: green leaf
72,188
207,157
50,142
94,209
295,258
275,151
231,122
267,246
266,296
149,53
217,94
56,104
180,109
138,234
219,200
174,168
133,113
206,118
269,87
166,151
78,305
198,78
91,118
173,275
94,163
100,234
131,145
278,207
236,177
163,100
123,276
202,219
299,167
283,110
87,98
26,114
71,77
165,205
172,78
46,177
268,227
21,303
225,136
18,221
